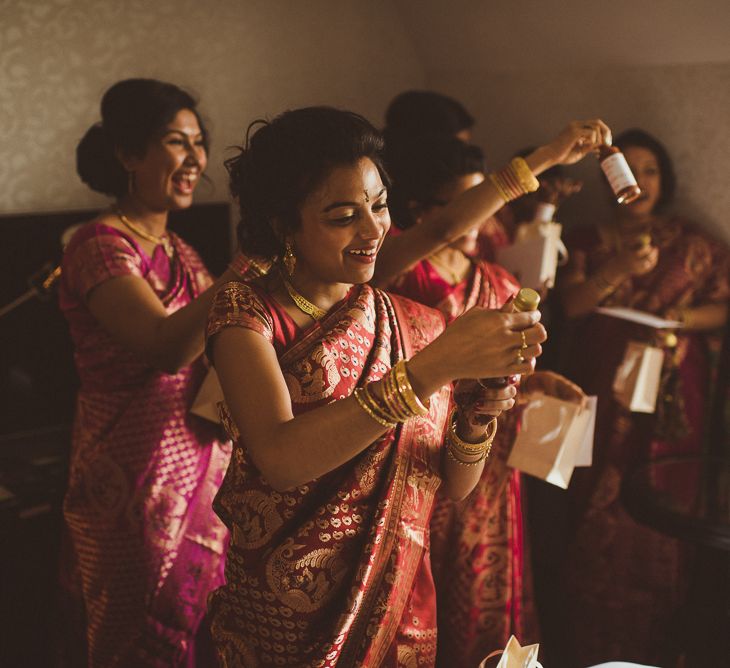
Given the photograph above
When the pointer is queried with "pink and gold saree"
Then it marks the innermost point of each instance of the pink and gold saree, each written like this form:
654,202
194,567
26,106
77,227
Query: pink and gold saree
146,547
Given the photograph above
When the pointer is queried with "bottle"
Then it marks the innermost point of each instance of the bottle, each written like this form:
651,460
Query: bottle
618,173
527,299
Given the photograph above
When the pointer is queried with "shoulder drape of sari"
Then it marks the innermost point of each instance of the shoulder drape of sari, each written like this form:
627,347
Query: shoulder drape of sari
143,471
335,572
624,580
477,548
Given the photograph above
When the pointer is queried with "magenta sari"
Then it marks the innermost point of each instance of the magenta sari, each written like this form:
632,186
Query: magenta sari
479,558
624,581
146,546
335,572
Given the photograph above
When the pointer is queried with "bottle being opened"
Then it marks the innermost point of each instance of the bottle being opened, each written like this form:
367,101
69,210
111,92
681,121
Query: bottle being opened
527,299
618,173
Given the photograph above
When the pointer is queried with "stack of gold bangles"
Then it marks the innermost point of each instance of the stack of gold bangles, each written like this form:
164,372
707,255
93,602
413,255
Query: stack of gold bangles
515,180
457,449
399,401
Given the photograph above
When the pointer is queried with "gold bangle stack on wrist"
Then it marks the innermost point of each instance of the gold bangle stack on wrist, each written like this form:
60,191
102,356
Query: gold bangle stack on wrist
457,449
515,180
399,401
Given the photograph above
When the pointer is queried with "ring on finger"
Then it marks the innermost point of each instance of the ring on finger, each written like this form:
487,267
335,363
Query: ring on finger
524,340
520,357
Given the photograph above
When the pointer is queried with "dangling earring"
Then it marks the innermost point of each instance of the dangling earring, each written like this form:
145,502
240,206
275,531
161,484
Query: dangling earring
289,260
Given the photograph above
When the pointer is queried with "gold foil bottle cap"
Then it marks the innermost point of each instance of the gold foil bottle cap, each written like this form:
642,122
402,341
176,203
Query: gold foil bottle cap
526,300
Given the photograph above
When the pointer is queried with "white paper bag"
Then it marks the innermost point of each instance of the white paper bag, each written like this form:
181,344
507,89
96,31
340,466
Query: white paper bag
515,656
209,395
535,255
636,383
555,437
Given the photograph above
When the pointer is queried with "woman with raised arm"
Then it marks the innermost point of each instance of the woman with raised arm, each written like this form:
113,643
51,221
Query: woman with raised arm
146,547
479,560
338,396
626,580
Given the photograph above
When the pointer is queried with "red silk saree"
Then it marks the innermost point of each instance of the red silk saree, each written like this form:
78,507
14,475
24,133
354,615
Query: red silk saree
335,572
624,580
478,552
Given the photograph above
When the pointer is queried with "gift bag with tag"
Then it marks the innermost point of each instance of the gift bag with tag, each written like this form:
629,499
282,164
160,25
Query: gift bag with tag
555,437
515,656
535,255
209,395
636,383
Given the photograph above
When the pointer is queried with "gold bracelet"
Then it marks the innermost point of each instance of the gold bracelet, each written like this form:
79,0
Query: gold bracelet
392,398
379,406
406,391
461,462
470,449
524,175
494,178
360,395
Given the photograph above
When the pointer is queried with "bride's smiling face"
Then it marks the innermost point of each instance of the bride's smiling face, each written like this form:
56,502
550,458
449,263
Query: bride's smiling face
342,224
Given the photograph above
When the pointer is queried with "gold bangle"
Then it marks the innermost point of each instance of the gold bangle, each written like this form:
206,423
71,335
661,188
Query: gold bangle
406,391
524,175
393,399
379,407
465,446
499,188
362,402
461,462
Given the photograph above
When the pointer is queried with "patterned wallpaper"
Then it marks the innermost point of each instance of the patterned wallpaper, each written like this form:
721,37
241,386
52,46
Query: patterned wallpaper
243,58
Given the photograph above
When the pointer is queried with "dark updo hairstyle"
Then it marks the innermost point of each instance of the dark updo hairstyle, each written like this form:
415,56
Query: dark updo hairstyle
642,139
133,112
284,160
421,166
422,112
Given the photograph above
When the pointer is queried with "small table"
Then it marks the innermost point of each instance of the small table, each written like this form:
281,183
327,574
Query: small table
689,498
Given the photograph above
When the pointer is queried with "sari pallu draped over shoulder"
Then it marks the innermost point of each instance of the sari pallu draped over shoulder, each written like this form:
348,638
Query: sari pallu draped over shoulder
146,546
477,545
335,572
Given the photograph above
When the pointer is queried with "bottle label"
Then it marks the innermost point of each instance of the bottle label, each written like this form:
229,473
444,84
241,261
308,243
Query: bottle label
544,212
618,172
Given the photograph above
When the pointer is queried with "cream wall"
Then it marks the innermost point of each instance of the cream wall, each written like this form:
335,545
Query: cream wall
525,68
243,58
686,106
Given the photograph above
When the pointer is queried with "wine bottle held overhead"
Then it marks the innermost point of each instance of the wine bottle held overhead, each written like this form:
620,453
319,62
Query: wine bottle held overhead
526,299
618,173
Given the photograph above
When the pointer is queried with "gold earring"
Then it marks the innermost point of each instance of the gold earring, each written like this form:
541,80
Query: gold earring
289,260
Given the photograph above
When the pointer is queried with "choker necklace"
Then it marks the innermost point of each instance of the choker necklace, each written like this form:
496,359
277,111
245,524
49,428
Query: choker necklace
147,236
302,303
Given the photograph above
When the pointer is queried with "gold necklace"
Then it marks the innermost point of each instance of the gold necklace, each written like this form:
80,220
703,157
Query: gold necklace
164,239
455,278
302,303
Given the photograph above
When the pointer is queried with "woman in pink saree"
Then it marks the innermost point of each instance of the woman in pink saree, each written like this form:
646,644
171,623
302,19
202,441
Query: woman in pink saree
478,552
145,547
626,581
338,397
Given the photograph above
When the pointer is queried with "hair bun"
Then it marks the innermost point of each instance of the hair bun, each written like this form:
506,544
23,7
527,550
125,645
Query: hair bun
96,164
